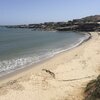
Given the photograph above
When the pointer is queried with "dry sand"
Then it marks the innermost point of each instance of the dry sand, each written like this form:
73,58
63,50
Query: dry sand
72,69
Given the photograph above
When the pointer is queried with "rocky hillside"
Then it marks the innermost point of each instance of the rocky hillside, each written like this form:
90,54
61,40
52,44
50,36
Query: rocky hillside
90,23
95,18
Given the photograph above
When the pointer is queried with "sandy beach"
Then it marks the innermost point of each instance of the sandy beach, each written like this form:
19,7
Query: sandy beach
64,77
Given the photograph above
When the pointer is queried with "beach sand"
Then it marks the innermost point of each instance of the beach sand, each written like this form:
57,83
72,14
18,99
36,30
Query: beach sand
65,77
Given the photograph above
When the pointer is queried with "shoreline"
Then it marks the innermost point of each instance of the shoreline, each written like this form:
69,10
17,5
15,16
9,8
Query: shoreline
21,70
73,69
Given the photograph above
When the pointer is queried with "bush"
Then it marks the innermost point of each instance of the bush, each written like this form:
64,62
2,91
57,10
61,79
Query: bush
92,91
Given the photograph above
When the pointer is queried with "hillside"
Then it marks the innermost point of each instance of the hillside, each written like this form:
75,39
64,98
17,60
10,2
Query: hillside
90,23
95,18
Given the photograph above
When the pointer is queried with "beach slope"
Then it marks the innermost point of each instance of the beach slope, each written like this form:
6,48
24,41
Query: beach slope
63,77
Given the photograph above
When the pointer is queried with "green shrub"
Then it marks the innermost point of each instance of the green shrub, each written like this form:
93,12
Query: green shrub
92,91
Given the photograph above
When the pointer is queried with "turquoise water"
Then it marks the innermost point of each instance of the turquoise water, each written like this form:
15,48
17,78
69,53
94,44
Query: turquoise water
23,47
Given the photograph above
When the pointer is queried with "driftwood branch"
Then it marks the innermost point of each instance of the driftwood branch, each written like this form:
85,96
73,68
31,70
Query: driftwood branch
51,73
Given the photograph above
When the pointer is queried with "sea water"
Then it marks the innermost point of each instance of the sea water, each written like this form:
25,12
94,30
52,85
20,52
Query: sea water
20,48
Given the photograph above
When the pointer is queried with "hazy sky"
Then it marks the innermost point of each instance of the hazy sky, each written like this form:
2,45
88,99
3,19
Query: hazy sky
35,11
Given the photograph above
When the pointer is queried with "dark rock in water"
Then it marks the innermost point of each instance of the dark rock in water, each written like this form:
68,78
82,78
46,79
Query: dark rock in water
92,91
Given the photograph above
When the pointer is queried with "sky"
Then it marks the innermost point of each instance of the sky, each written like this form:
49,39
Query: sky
13,12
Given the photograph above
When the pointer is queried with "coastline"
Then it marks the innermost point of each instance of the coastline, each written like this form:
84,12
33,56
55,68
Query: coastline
73,64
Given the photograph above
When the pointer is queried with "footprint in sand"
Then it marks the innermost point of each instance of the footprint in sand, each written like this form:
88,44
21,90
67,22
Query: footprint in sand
14,85
83,62
3,91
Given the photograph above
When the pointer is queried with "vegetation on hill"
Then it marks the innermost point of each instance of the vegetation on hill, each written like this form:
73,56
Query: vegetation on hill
92,91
